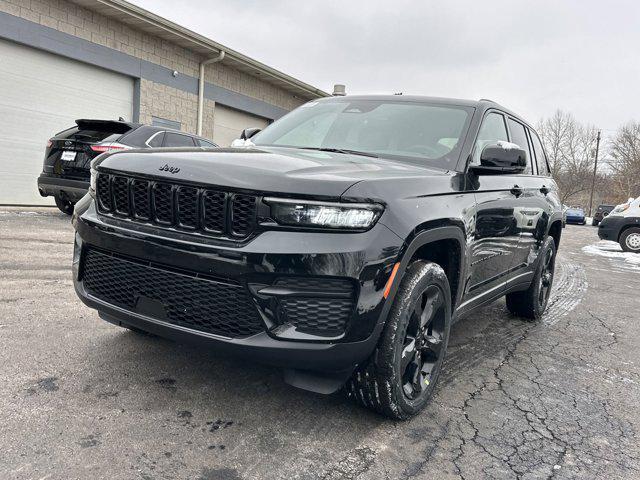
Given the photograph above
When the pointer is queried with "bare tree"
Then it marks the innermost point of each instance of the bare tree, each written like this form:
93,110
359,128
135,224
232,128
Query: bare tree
624,149
570,147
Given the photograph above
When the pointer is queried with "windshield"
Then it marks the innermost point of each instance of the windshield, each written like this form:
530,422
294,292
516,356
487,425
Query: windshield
411,131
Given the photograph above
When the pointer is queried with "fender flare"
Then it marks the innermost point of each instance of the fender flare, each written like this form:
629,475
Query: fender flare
630,222
412,244
555,218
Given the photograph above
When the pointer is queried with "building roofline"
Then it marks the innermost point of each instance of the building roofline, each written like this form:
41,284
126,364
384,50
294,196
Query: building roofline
140,18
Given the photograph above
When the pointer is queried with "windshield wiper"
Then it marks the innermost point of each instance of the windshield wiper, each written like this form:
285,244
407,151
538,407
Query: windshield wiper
341,150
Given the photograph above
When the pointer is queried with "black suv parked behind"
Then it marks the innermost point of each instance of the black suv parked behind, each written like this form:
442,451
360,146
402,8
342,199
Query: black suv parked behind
65,173
339,244
601,212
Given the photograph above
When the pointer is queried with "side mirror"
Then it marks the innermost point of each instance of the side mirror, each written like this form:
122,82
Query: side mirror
247,133
501,157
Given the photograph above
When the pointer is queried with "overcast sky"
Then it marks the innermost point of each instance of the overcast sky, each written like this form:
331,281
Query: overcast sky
582,56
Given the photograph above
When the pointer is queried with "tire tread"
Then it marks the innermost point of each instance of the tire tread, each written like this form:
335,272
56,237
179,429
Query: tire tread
370,384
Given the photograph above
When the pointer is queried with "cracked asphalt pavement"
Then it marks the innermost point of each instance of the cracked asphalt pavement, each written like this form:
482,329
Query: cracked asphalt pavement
83,399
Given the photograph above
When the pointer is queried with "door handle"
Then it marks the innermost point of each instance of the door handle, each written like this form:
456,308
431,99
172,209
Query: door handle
516,190
544,189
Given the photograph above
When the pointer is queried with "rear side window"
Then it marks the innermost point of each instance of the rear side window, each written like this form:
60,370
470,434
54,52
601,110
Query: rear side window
156,140
541,158
519,137
492,130
177,140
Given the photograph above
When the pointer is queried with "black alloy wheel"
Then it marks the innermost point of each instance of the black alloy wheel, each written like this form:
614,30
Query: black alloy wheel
532,302
400,376
546,277
422,346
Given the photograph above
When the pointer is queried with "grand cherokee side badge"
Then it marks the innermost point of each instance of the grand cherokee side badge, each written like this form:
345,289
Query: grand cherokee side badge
167,168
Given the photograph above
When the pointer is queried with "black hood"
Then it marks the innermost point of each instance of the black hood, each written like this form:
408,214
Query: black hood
275,170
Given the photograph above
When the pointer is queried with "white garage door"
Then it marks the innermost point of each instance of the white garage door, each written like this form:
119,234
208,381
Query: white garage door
40,95
228,123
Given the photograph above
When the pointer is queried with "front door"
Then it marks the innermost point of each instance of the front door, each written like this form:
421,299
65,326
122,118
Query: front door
496,233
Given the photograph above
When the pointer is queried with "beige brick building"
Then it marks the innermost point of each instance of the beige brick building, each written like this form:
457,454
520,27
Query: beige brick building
68,59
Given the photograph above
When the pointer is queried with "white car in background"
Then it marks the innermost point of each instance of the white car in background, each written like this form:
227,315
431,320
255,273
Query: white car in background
622,225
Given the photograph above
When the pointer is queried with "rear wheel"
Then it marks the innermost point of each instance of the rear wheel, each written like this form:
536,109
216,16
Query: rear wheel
594,222
401,374
64,205
630,240
532,302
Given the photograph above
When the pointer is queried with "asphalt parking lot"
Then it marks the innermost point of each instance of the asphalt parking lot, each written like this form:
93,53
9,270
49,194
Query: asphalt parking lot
81,398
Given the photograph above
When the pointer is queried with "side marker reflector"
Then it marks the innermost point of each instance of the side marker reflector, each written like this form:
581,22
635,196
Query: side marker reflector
387,287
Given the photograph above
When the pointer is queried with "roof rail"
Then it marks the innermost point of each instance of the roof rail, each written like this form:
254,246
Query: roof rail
487,100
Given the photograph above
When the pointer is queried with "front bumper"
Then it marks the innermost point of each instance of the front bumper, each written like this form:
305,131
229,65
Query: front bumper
576,220
50,185
365,259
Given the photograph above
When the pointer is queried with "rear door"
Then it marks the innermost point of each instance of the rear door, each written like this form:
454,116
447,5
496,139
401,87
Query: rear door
531,206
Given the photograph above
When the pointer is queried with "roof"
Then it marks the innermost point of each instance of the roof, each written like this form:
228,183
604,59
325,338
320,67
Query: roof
148,22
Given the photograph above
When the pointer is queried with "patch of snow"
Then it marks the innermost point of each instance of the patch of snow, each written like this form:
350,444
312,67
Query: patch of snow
240,143
508,145
608,249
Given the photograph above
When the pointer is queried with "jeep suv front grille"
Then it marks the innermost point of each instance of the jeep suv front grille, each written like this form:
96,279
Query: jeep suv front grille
178,298
184,207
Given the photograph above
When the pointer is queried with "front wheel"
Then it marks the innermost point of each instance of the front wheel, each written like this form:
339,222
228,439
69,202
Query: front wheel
594,222
630,240
532,302
64,205
400,376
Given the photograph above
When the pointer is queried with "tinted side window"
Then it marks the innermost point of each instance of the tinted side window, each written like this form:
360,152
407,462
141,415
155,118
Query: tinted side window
492,130
156,140
541,158
204,143
177,140
519,137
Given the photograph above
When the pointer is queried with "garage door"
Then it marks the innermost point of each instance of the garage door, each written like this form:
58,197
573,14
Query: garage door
41,94
228,123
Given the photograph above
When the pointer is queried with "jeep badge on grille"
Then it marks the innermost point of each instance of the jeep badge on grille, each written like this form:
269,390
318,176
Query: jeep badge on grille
167,168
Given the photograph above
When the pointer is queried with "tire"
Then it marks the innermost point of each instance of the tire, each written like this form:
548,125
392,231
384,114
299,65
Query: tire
399,378
595,223
532,302
630,240
64,205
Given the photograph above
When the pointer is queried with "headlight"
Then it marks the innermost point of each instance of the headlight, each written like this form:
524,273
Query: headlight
303,213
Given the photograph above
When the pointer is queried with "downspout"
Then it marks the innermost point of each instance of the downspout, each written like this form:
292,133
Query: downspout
201,89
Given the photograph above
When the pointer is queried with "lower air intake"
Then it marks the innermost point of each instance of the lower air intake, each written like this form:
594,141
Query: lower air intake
198,303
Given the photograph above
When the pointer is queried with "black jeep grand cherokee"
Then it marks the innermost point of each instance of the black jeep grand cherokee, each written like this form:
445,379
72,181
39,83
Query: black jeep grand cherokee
339,244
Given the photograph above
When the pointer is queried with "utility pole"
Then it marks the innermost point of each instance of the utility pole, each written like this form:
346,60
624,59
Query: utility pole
593,180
